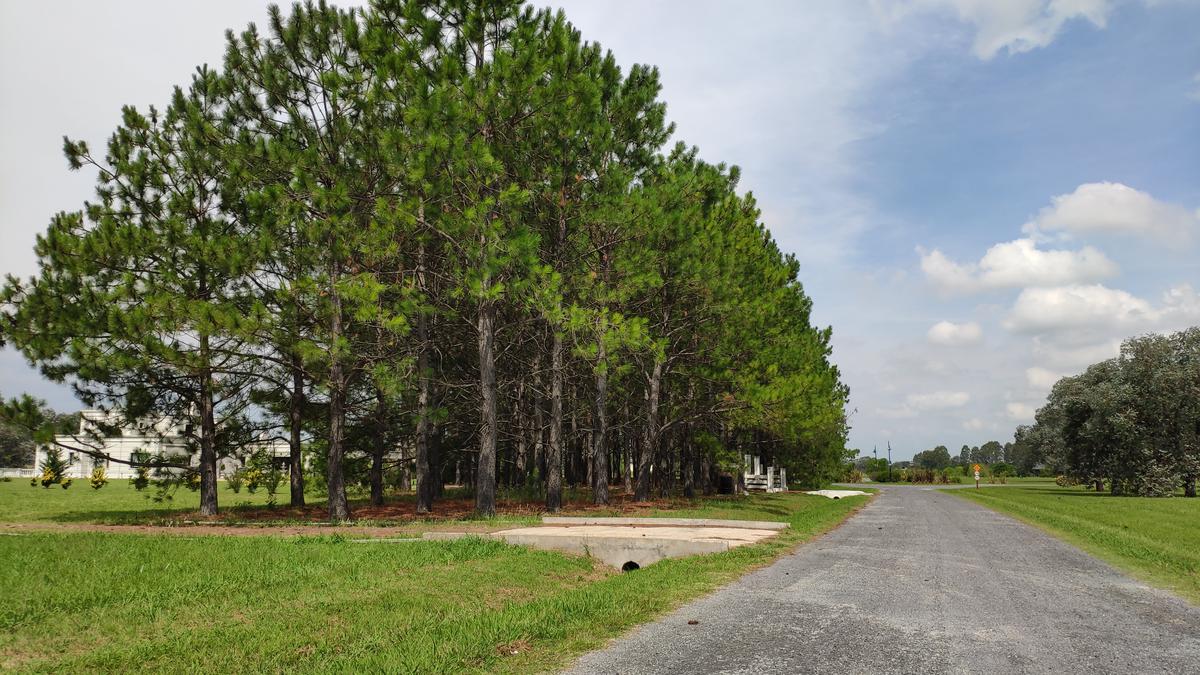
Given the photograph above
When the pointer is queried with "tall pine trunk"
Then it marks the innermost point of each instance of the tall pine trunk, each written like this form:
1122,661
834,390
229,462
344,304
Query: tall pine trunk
339,506
426,490
650,435
378,450
521,418
554,453
600,430
485,480
208,432
295,422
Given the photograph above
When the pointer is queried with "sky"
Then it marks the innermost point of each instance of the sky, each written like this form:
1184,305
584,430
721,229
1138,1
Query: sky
984,195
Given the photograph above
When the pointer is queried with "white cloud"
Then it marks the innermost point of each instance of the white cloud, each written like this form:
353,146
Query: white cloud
914,404
1014,26
948,334
946,274
1079,308
1067,355
1180,307
1039,310
1113,208
1073,327
973,424
1016,264
938,400
897,413
1020,412
1041,379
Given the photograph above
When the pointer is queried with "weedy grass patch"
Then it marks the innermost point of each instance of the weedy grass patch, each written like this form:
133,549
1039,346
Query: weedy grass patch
1154,539
118,602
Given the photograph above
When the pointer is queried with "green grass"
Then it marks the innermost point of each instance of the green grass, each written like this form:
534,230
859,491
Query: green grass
115,503
117,602
1156,540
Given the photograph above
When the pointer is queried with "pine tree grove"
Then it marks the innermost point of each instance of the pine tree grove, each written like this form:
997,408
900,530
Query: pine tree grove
438,237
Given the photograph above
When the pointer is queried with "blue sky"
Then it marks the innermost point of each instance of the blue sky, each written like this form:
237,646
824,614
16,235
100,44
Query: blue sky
984,194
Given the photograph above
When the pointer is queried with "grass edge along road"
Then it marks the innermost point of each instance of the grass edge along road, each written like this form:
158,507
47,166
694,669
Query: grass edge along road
119,602
1155,540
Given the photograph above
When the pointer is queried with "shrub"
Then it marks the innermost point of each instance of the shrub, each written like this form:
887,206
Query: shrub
271,480
235,479
99,478
1003,469
141,478
948,476
66,483
1065,481
853,476
254,479
53,468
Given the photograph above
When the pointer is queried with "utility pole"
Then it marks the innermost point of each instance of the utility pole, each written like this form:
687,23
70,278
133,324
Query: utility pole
889,461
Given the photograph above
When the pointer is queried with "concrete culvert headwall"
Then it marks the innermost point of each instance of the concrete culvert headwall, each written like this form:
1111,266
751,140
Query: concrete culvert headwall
630,566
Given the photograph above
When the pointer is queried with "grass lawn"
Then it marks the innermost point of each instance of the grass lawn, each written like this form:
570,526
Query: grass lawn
1156,540
73,601
115,503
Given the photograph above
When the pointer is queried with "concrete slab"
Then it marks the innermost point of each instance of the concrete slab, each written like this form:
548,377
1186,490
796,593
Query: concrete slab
631,543
627,547
836,494
654,522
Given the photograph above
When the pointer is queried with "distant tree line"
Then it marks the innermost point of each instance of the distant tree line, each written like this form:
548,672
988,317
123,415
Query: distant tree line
939,457
445,231
1131,423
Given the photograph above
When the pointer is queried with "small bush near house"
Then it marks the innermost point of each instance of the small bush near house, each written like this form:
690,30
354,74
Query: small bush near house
272,480
99,478
235,479
53,469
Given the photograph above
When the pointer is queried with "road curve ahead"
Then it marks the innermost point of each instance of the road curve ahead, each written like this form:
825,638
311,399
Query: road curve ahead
921,581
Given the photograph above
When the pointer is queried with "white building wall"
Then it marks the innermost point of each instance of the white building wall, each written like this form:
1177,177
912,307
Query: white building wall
130,442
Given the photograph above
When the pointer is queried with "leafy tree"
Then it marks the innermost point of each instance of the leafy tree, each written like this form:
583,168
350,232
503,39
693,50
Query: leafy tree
937,458
1128,421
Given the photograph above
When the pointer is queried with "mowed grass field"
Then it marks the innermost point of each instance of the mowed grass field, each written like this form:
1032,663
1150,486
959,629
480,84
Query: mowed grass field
115,503
91,601
1156,540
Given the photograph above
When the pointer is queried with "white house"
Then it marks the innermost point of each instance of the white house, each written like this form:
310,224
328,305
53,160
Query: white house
164,437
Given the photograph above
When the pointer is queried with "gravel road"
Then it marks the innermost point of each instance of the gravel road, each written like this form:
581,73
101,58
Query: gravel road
921,581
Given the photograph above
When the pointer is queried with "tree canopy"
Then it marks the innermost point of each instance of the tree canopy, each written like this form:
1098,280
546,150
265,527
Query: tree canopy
1131,422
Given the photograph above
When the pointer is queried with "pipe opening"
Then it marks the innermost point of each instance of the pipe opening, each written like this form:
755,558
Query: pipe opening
630,566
